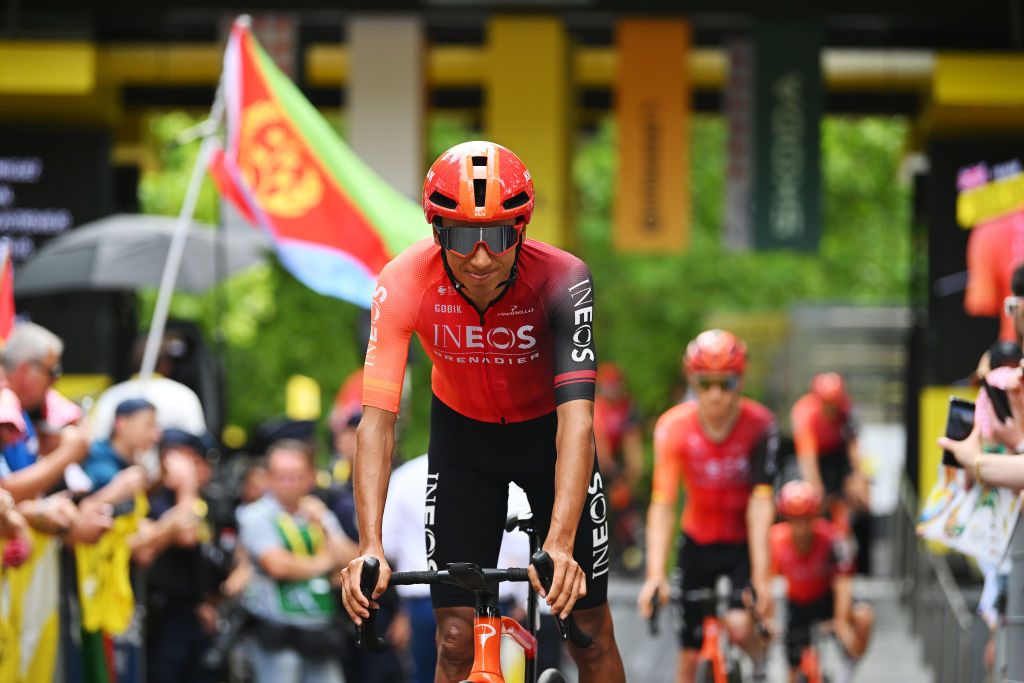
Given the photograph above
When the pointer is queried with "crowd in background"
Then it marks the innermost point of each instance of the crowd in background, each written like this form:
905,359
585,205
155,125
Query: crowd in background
983,455
135,551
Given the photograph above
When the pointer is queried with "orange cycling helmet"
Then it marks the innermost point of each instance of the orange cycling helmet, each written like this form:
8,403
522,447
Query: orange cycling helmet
830,388
716,351
478,181
799,499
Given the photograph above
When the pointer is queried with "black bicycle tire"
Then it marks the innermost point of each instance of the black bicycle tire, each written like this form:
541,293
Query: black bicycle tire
551,676
733,674
705,672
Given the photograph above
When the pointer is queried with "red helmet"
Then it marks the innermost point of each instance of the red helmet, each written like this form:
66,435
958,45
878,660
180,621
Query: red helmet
609,373
799,499
478,181
716,351
830,388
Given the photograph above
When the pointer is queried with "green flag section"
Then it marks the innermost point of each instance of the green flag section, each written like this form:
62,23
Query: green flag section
788,98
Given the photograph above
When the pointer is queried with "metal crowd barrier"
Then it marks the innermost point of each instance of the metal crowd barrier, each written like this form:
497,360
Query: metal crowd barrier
952,635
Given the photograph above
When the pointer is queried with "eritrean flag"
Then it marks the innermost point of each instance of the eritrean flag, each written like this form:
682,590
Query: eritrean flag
333,221
6,291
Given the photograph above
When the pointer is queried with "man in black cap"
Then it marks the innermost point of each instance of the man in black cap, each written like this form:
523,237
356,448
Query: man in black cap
182,548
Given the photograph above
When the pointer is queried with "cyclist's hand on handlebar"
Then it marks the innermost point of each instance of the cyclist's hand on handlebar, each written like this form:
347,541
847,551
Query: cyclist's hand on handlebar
568,583
355,603
764,603
652,587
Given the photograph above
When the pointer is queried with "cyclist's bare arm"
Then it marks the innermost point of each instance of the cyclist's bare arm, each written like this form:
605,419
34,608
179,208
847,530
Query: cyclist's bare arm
574,443
375,441
760,515
668,474
660,530
842,596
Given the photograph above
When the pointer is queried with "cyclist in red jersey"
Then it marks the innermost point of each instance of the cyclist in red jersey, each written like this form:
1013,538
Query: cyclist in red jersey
507,323
724,449
825,435
818,567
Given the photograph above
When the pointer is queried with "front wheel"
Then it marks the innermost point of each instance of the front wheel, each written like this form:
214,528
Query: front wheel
551,676
705,672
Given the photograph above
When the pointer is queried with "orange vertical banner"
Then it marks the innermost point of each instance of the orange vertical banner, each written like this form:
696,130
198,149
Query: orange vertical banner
652,101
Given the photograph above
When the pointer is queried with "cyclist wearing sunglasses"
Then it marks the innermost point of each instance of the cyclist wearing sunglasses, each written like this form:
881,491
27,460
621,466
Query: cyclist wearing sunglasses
825,435
818,566
507,323
723,448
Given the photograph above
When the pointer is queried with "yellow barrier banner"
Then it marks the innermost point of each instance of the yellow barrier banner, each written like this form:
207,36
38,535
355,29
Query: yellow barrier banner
652,102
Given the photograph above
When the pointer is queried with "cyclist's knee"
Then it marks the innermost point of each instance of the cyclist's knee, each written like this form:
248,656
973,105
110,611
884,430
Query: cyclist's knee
739,625
454,641
597,623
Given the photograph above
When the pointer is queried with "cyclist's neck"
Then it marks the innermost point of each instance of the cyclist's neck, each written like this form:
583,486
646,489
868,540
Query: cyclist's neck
718,430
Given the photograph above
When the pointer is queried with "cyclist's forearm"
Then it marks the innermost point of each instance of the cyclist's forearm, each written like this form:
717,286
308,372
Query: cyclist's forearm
809,469
574,444
375,440
853,450
842,596
660,522
760,514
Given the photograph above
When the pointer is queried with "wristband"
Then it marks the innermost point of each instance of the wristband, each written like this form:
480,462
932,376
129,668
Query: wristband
977,469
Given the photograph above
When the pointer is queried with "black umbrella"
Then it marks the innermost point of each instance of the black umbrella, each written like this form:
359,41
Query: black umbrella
128,251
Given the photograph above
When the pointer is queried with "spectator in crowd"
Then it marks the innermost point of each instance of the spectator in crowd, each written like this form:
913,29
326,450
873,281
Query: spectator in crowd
996,469
135,432
295,543
177,406
340,497
13,527
254,482
184,577
32,363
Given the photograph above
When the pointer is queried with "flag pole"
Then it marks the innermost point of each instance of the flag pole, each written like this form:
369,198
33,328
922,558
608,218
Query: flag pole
177,248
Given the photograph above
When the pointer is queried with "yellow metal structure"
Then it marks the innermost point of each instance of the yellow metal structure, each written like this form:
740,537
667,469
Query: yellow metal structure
526,108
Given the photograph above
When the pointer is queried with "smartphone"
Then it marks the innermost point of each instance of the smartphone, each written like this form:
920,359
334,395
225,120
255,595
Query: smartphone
959,425
1000,403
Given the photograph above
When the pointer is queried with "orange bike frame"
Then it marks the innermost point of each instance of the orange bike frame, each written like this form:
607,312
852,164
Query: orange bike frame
711,651
487,633
809,665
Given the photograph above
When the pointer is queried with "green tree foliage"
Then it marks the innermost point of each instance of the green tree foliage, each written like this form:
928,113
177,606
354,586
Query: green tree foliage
648,305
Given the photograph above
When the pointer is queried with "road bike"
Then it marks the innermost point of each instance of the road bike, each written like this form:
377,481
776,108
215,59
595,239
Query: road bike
488,624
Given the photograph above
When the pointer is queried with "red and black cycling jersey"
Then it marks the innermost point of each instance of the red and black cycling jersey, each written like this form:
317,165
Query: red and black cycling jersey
719,476
809,574
530,351
816,430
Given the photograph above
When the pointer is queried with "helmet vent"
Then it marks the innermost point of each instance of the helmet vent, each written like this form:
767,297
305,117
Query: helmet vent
516,201
479,161
442,201
480,191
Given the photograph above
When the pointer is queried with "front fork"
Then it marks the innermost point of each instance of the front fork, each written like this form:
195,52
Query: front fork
488,628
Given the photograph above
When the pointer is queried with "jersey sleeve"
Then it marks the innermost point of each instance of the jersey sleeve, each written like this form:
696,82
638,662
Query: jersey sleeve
393,312
764,465
668,463
570,305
